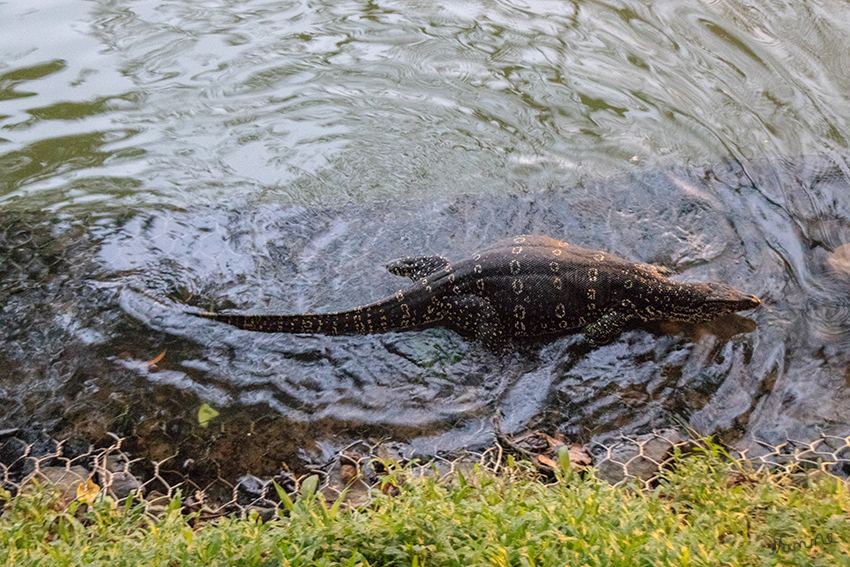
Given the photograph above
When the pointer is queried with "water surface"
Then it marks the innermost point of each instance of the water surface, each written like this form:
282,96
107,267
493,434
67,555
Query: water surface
273,156
107,105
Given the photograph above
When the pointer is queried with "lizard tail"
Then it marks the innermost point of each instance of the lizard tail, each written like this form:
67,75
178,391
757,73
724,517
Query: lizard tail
388,315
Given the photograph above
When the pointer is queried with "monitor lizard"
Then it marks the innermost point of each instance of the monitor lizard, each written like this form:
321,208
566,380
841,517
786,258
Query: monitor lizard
525,286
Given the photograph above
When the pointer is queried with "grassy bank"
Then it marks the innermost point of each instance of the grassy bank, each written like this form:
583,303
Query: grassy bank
704,512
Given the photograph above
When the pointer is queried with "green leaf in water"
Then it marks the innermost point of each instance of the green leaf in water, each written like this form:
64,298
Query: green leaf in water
205,414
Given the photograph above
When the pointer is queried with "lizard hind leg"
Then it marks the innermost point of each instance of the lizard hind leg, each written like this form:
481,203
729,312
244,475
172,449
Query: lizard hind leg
418,268
475,316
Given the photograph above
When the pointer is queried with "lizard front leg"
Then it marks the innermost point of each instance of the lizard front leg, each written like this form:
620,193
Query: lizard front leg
606,328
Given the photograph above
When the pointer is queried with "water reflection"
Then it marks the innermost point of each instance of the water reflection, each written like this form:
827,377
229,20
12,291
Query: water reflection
306,103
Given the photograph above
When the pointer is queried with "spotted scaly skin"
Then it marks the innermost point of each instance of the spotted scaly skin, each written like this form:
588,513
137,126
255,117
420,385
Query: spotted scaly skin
526,286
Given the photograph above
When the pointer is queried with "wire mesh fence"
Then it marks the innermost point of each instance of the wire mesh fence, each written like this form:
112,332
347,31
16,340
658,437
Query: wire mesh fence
357,472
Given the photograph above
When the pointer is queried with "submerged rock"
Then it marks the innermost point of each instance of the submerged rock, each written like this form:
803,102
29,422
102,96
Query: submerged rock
116,479
65,480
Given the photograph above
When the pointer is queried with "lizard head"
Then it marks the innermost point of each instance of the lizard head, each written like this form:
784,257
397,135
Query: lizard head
698,303
720,299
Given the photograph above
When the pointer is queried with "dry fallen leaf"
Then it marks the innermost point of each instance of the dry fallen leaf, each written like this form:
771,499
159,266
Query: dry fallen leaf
155,360
348,473
579,457
547,461
840,259
86,491
552,441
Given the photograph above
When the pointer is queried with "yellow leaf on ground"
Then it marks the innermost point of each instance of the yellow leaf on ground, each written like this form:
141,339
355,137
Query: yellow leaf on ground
86,491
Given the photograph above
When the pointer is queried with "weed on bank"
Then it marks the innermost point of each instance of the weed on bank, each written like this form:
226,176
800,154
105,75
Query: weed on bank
706,510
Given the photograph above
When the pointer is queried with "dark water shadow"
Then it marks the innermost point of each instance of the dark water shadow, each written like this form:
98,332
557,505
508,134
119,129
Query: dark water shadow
95,341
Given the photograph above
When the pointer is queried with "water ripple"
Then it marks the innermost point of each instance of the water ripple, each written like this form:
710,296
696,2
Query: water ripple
335,100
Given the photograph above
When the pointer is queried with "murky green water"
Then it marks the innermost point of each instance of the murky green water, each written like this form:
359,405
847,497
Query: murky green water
105,105
273,156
